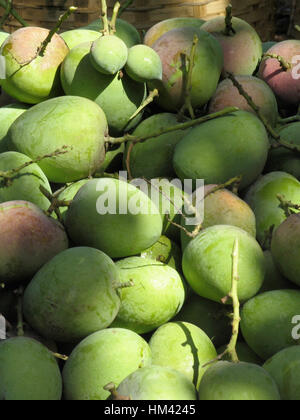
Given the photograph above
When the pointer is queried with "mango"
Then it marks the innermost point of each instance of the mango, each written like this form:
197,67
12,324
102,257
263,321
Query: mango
207,263
183,347
227,381
222,208
76,37
274,280
28,371
156,295
30,78
25,186
124,30
166,251
118,96
160,28
143,64
245,354
73,296
106,356
115,217
284,367
69,193
157,383
29,239
242,50
281,159
77,123
3,36
218,150
285,248
284,83
262,198
8,114
267,321
206,73
109,54
210,317
153,158
228,95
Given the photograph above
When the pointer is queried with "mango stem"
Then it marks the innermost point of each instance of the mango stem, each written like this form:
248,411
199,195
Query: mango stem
13,13
113,20
111,387
285,65
229,29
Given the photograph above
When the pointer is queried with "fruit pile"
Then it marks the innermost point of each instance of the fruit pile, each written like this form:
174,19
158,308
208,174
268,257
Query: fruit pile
109,289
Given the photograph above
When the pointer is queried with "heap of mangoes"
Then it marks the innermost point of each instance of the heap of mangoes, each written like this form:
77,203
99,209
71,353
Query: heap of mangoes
100,301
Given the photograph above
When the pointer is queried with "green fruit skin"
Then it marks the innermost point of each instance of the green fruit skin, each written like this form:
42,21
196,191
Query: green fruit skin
68,195
118,235
207,263
153,158
223,208
165,251
160,28
211,317
228,95
245,354
156,296
106,356
168,349
285,248
26,185
124,30
76,37
267,321
285,160
143,64
3,37
274,280
29,239
77,123
242,50
207,67
39,80
218,150
108,54
118,97
227,381
28,371
262,198
284,367
157,383
8,114
73,295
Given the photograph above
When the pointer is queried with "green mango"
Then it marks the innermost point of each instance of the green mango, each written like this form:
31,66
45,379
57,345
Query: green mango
77,123
207,263
26,185
29,79
28,371
124,30
143,64
285,248
3,37
115,217
118,95
109,54
76,37
156,296
274,280
218,150
73,296
267,321
157,383
227,381
245,354
262,198
165,251
153,158
284,367
183,347
8,115
104,357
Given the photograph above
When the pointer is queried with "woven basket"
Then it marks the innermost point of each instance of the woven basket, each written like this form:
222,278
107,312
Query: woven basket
45,13
145,13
